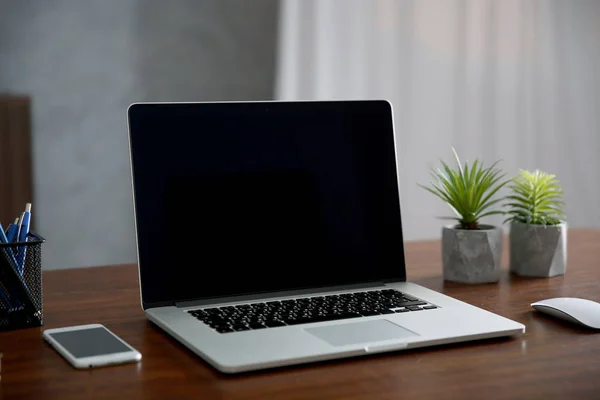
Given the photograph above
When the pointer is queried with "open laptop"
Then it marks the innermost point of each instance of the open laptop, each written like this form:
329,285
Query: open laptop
269,234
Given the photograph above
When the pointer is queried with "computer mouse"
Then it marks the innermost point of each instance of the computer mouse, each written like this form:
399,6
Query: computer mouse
579,311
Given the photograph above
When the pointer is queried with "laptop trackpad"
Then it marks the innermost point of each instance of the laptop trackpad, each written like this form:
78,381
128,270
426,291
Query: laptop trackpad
360,332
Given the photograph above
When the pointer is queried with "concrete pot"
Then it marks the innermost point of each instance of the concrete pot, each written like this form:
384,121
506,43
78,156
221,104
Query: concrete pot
538,250
472,256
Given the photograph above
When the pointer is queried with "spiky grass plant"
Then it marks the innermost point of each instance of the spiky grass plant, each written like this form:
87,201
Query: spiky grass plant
536,199
469,190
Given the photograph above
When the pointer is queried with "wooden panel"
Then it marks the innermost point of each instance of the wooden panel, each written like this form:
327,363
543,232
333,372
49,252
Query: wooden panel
16,186
553,360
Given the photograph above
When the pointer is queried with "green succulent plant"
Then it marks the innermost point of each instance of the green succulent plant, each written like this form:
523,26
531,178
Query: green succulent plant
536,199
469,190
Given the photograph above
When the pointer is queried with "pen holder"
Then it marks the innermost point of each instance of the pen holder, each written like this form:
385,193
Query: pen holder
21,304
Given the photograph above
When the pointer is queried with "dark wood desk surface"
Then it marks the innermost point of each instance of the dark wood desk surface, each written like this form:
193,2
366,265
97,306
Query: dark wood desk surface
553,360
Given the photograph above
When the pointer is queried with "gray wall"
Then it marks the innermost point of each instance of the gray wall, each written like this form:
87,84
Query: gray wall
84,62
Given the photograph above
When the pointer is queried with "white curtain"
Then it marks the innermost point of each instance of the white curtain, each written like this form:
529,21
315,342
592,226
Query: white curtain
514,80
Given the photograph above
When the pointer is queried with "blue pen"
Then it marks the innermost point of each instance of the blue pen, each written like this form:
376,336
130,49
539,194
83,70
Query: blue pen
23,234
4,239
11,232
10,260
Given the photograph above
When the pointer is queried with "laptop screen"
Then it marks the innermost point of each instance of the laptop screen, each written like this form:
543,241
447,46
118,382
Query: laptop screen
246,198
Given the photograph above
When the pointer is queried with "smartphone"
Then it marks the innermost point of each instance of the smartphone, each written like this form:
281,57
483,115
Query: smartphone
89,346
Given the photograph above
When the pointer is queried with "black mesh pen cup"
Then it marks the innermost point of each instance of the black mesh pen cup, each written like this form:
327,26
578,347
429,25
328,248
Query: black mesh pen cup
21,303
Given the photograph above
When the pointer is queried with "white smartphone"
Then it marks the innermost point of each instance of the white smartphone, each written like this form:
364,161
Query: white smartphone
88,346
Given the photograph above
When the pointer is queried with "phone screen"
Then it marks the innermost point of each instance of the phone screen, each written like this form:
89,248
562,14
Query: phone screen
89,342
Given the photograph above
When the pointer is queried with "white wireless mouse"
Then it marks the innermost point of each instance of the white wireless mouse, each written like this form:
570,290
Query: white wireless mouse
579,311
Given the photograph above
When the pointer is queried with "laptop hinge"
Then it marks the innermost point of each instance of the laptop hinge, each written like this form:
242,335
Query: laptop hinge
271,295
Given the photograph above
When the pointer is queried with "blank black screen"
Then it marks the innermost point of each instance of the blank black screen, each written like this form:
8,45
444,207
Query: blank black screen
89,342
239,198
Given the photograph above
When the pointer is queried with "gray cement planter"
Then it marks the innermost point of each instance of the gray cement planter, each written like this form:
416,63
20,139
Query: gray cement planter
538,250
472,256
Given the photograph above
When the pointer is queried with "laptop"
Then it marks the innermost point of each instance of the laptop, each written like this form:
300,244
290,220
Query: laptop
270,234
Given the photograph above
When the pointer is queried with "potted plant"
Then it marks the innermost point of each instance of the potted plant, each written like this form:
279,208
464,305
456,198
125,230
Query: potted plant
538,231
471,251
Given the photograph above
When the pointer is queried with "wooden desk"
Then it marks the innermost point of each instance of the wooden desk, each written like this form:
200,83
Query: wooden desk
553,360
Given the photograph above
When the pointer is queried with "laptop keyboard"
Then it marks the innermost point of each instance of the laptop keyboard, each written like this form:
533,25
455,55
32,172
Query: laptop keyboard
309,310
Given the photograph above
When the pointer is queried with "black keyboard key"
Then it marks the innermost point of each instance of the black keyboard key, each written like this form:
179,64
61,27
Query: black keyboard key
216,316
240,327
429,307
369,313
256,325
324,318
414,308
217,322
226,328
386,311
401,310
